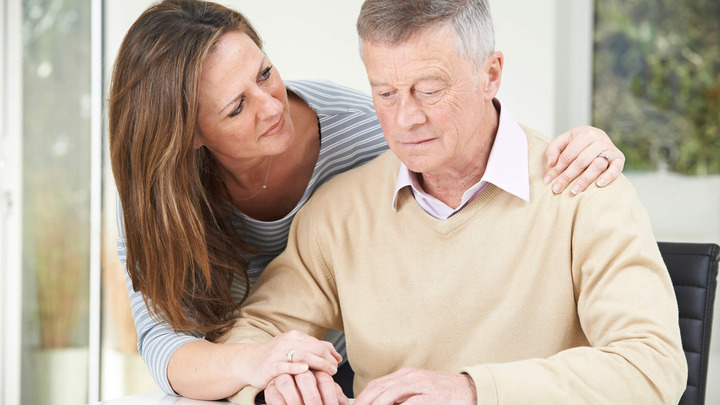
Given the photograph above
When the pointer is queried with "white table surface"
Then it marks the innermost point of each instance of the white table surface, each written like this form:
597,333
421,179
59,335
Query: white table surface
157,398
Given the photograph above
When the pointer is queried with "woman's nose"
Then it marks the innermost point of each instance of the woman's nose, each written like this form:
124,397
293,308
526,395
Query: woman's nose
269,106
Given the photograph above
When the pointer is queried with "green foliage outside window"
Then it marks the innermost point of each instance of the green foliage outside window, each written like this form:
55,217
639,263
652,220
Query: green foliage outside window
657,82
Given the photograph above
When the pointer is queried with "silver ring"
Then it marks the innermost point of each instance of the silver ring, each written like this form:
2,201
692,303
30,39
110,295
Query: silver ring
605,156
289,355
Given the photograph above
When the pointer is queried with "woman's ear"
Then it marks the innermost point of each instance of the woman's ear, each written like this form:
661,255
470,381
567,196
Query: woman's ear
197,142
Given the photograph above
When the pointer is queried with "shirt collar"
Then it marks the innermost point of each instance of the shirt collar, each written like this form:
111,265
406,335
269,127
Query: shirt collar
507,166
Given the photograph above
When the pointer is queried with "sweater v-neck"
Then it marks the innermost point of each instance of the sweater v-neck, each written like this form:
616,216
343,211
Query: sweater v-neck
457,220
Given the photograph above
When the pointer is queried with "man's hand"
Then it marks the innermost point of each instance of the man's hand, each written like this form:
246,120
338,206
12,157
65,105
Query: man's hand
577,153
309,388
412,386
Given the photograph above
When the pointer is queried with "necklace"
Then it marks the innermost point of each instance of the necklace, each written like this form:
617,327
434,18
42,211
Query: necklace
264,186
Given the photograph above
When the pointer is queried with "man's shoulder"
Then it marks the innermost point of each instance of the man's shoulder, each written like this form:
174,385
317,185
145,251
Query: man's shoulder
372,177
536,139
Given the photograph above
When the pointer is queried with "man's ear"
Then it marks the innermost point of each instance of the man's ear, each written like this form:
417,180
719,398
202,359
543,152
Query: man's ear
493,74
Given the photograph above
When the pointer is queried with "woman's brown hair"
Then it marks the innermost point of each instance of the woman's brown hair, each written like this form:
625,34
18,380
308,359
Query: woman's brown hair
182,250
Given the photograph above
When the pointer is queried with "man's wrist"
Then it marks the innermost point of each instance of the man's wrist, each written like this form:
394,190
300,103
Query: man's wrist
471,386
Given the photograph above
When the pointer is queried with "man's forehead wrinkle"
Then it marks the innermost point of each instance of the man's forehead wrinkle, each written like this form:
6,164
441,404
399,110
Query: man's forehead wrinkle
413,66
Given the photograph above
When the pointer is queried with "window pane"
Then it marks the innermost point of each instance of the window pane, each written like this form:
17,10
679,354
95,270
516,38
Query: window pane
56,204
657,82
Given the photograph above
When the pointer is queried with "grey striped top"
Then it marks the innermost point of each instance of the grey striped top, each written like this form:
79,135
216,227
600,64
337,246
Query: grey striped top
350,136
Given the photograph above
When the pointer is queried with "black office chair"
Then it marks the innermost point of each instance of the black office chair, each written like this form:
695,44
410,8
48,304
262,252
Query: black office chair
693,269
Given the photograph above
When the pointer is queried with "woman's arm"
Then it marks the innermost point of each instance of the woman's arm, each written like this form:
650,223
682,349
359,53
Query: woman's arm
577,154
155,342
193,367
209,371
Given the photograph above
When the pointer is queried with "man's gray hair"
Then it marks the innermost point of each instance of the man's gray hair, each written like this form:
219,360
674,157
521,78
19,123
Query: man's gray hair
393,22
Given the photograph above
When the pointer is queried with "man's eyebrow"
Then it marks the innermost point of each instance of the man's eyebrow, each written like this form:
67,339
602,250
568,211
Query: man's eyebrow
233,101
429,77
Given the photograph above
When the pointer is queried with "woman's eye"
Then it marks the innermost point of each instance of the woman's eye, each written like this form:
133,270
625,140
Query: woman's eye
265,74
238,109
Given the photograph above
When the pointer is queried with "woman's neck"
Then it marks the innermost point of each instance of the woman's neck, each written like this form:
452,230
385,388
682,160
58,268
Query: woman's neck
286,176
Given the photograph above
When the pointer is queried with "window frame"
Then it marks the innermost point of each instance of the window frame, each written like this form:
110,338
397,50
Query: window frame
10,200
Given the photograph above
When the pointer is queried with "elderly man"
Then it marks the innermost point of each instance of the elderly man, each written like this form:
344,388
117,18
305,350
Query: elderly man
456,276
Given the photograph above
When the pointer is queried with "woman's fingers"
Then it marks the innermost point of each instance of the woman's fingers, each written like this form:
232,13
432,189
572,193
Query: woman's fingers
582,155
583,170
291,353
613,171
316,362
303,344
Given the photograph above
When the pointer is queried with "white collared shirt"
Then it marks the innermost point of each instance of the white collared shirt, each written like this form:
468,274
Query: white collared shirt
507,168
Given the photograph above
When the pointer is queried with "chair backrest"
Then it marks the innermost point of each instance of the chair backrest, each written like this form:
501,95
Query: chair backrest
693,269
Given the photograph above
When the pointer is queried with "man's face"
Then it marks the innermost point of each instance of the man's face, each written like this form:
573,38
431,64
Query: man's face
429,100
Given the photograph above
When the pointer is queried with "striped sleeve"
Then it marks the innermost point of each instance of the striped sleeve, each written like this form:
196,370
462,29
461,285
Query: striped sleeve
156,342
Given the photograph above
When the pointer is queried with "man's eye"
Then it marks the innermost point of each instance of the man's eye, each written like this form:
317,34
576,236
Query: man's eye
428,93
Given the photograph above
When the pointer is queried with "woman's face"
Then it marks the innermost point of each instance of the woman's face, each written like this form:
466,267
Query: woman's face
243,104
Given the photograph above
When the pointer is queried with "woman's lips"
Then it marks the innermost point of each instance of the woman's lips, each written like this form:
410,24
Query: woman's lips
277,127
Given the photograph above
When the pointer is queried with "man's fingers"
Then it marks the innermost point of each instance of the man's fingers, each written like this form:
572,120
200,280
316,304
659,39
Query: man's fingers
374,391
273,396
330,392
308,388
286,386
342,399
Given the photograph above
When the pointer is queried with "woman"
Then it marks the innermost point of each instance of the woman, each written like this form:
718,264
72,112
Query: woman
212,156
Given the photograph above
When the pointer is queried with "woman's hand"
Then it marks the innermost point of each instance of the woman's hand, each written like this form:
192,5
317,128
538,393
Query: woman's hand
578,153
290,353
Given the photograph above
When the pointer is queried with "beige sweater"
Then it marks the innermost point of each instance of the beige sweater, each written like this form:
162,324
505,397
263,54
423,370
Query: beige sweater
562,300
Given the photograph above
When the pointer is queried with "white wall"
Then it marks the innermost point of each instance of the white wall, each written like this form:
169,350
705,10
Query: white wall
304,39
317,39
528,87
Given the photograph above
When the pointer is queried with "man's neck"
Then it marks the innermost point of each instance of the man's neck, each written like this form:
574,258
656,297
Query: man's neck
449,184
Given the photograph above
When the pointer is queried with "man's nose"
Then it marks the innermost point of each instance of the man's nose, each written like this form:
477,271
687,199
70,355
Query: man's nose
410,113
